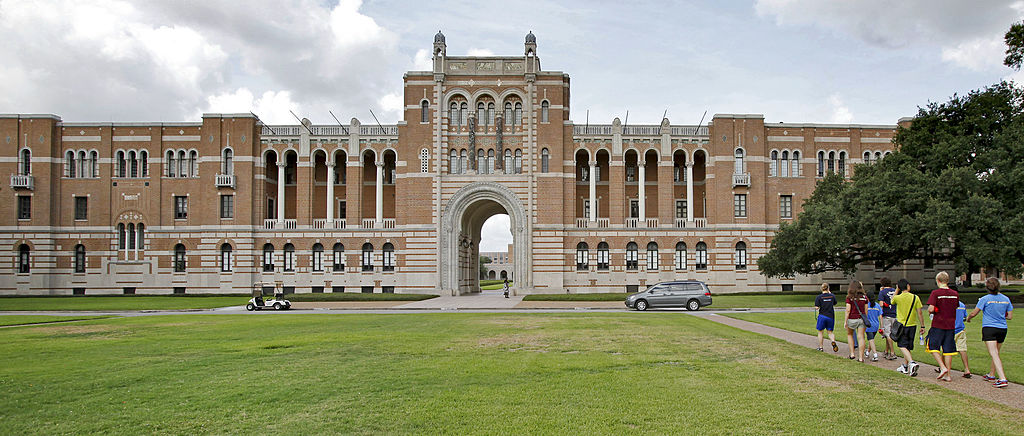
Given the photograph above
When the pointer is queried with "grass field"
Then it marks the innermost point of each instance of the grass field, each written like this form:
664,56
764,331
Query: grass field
977,355
9,320
119,302
612,373
494,286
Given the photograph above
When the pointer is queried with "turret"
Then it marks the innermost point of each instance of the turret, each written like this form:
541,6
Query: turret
439,53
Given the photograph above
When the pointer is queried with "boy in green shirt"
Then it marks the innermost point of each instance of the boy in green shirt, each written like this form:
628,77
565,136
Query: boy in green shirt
908,314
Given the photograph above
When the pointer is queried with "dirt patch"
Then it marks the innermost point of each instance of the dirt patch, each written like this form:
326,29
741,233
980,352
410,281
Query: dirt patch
84,331
516,342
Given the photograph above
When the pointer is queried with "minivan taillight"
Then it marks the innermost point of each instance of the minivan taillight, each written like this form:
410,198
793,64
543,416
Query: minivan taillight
707,294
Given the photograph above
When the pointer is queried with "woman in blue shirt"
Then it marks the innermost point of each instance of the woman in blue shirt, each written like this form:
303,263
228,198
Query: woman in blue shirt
996,309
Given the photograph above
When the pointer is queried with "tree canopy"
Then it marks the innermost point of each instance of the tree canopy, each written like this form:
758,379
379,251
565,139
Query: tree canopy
951,191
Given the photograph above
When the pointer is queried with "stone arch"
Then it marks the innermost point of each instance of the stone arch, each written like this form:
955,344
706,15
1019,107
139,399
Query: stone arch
452,220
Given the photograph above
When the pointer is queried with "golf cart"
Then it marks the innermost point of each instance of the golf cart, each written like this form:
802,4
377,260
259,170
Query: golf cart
257,302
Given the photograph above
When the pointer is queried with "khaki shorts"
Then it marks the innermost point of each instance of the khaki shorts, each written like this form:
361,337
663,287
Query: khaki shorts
961,340
854,324
887,322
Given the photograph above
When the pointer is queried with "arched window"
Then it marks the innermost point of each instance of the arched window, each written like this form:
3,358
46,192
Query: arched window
631,256
582,256
821,164
268,257
424,161
121,237
867,157
389,257
773,170
170,164
94,161
144,163
131,236
318,257
741,255
481,113
842,163
193,163
702,256
367,258
338,259
225,258
122,170
887,154
652,256
133,164
832,162
182,164
453,114
738,167
289,257
453,162
602,256
23,259
785,166
544,106
464,113
141,236
544,158
519,161
795,170
227,165
680,256
490,161
424,111
481,161
69,164
508,113
463,161
83,164
878,155
509,167
519,113
79,258
490,113
179,258
25,166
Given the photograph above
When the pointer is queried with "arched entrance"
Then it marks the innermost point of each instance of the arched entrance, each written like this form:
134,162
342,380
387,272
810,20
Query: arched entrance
461,222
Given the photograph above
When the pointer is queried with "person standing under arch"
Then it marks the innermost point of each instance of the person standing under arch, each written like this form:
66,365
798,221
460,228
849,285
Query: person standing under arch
504,288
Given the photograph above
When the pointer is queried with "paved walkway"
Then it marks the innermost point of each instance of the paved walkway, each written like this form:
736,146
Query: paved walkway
484,300
977,387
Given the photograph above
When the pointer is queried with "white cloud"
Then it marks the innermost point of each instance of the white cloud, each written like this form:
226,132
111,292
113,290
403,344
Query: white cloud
840,113
496,233
392,104
272,107
979,54
423,60
480,52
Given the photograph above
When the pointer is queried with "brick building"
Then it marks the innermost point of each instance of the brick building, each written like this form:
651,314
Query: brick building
221,204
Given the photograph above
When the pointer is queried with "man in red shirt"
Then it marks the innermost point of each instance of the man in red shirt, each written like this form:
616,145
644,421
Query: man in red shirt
942,305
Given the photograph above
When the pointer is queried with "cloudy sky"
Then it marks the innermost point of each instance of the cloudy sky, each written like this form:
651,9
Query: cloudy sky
867,61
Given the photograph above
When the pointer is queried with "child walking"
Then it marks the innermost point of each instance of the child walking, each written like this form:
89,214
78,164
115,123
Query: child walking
908,312
874,315
824,305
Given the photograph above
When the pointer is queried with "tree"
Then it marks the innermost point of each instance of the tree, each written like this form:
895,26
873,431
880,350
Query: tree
1014,46
950,191
484,260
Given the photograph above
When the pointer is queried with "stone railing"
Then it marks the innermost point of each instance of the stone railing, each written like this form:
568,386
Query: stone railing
378,130
582,223
603,222
226,181
367,223
290,224
680,223
700,223
270,224
388,223
741,179
632,223
637,130
652,222
20,181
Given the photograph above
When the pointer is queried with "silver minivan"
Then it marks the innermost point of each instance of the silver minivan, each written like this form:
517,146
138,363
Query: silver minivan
691,294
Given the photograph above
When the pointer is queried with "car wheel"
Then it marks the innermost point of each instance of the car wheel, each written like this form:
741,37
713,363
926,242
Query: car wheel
641,305
692,305
277,306
250,307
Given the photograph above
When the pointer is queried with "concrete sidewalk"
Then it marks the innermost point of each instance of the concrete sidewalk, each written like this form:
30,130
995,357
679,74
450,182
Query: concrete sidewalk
1012,395
484,300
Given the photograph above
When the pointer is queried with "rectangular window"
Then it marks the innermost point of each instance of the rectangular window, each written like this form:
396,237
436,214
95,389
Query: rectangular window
342,209
227,206
78,291
389,260
180,207
787,288
318,289
739,205
630,174
81,208
179,289
337,289
681,209
366,289
24,207
387,289
129,291
652,260
634,208
288,289
586,209
225,260
318,260
631,260
602,260
786,206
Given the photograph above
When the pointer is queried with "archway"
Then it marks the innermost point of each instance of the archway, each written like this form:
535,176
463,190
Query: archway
461,222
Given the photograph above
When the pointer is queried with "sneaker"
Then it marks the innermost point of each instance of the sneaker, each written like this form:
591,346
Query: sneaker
988,377
820,349
1001,383
902,369
913,369
874,358
892,357
835,348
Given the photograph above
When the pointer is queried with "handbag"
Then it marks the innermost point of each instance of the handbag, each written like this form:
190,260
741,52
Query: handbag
867,322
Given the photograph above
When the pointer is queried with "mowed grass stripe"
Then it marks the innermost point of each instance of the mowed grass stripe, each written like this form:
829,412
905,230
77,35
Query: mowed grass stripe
608,373
16,320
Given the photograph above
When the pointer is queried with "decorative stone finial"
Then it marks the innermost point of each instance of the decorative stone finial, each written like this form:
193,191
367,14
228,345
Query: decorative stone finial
439,38
530,38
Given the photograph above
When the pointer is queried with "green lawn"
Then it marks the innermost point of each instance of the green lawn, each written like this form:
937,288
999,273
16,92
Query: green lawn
494,286
357,296
977,355
9,320
601,373
118,302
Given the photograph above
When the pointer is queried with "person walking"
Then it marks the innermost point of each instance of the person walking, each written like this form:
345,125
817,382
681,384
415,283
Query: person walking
856,312
960,336
942,305
888,316
825,305
908,314
504,288
873,317
996,310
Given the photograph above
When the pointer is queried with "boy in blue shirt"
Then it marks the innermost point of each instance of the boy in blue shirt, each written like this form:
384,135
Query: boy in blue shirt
888,316
960,336
874,313
996,308
825,305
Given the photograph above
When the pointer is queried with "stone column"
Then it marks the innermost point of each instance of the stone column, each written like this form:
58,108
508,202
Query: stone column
379,204
641,193
330,194
689,191
280,190
593,191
